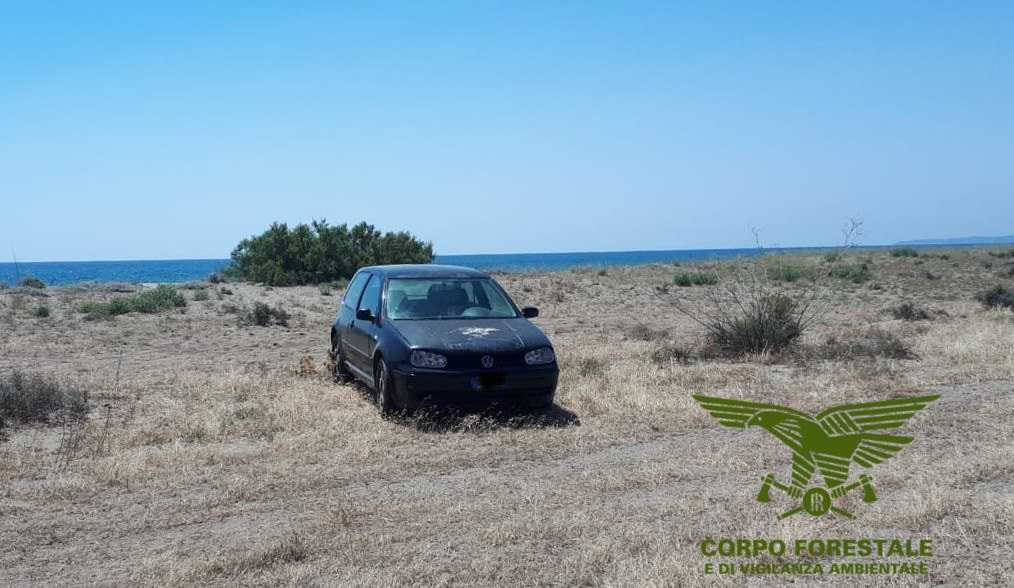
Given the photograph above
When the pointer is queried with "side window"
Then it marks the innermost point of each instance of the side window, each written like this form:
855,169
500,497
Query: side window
371,296
355,289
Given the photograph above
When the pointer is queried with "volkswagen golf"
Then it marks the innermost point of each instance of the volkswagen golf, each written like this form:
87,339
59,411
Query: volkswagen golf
436,334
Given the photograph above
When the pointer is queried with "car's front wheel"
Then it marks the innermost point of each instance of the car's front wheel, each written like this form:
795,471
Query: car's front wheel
384,388
339,373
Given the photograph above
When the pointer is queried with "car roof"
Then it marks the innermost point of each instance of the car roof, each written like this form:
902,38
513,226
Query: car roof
424,270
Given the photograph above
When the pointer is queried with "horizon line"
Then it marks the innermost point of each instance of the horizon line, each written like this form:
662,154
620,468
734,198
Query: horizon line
572,252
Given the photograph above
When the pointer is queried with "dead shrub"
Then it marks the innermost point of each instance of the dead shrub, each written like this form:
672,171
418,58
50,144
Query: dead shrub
292,548
909,311
642,332
871,343
307,368
670,353
755,311
31,282
591,367
998,296
18,303
263,315
766,324
26,399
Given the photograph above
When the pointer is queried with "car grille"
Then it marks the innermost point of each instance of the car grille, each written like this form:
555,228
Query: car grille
471,360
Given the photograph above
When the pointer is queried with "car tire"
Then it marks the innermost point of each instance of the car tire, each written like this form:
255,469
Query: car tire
384,393
339,373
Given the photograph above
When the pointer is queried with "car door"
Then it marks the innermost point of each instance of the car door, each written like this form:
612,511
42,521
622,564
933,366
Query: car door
347,313
363,334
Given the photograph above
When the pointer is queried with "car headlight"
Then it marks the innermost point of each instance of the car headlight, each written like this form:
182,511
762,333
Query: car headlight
540,356
427,359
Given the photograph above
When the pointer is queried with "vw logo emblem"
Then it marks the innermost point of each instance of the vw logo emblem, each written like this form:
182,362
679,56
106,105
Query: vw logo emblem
487,361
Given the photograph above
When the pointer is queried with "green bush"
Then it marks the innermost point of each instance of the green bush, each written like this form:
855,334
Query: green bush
904,252
996,297
787,272
315,253
856,273
684,280
31,282
1002,254
112,308
687,279
164,297
201,294
41,311
832,257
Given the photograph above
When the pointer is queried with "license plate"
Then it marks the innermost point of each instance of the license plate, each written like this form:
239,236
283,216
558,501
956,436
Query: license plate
484,381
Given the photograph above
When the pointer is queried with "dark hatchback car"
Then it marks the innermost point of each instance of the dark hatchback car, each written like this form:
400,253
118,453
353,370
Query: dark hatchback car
436,334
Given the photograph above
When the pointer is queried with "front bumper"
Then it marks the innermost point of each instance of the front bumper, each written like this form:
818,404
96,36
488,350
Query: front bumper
529,386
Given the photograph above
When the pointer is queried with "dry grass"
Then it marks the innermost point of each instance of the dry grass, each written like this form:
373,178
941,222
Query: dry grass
220,453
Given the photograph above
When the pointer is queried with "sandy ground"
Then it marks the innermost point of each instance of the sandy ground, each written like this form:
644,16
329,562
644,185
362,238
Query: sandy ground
221,453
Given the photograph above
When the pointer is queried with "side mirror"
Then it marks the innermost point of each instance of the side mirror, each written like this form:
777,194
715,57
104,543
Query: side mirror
364,314
529,312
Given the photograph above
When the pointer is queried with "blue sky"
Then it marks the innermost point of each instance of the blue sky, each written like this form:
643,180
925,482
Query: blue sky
131,131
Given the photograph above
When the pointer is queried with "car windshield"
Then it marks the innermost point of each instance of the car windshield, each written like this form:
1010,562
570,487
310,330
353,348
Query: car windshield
446,298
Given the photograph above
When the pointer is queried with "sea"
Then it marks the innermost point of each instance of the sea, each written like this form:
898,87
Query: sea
186,270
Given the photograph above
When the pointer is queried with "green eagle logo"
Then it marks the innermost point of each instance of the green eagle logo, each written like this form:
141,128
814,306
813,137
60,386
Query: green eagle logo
828,443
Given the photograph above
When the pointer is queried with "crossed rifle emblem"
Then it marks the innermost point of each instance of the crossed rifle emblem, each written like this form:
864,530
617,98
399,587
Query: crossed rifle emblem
816,500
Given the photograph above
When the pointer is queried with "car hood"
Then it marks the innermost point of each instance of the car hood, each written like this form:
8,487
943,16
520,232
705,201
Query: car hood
483,335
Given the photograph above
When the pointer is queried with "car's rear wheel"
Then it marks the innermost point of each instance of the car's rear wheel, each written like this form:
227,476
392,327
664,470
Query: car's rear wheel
384,389
339,373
